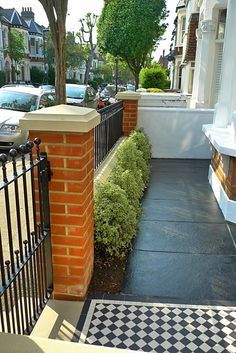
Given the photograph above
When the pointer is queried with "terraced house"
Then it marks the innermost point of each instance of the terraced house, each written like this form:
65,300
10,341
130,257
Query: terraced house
200,49
33,40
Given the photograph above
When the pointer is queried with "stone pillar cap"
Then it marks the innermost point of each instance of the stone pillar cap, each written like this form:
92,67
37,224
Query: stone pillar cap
127,95
61,117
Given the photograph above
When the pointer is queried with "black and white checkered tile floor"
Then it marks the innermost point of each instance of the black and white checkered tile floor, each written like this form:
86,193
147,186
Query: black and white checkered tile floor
169,328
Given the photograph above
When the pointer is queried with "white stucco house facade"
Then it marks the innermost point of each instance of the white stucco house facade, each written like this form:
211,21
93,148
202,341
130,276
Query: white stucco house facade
201,49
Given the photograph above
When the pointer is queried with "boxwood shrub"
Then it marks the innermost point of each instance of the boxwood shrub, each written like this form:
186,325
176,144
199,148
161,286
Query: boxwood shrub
115,219
117,201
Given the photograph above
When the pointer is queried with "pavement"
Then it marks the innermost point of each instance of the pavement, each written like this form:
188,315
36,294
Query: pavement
179,293
185,250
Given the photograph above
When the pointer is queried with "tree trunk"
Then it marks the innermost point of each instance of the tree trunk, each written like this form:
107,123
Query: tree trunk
136,79
56,12
87,71
60,77
13,73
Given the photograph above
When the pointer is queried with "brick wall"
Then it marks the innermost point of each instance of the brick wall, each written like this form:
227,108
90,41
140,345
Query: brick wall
130,116
71,203
191,48
228,180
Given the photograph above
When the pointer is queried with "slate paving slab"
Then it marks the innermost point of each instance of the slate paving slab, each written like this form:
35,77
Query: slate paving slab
186,277
182,210
175,190
184,250
184,237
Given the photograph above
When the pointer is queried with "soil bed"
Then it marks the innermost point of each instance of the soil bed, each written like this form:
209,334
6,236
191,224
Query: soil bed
108,275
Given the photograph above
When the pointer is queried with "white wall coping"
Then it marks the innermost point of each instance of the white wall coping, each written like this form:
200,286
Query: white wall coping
62,117
221,138
103,172
174,109
163,95
127,95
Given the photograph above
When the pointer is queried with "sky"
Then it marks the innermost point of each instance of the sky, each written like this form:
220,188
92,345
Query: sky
78,8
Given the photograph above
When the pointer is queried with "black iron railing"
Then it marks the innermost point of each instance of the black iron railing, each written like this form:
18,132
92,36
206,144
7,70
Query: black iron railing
108,131
25,246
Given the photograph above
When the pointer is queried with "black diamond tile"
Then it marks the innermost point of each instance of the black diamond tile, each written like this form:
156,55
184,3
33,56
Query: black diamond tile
182,325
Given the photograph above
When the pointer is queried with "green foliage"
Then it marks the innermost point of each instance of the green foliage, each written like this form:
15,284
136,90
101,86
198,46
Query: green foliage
117,201
96,82
130,29
167,84
129,157
72,80
36,75
154,77
2,78
115,220
131,183
16,49
142,143
75,53
154,90
51,75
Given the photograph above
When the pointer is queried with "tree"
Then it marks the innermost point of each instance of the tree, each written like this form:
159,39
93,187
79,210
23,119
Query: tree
107,71
86,37
74,52
16,50
130,29
154,77
56,11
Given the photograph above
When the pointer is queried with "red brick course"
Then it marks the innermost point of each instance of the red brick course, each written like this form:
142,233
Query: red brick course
71,201
130,116
228,181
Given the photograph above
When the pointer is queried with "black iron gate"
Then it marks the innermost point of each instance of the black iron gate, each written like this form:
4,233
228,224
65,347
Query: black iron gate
25,245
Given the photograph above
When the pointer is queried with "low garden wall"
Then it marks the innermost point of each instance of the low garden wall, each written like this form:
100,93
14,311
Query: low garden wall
163,100
176,132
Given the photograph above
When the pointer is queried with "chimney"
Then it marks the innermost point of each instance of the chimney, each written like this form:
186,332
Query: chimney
27,13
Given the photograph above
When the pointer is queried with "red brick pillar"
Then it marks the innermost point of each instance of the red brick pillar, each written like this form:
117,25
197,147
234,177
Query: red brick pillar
130,114
67,136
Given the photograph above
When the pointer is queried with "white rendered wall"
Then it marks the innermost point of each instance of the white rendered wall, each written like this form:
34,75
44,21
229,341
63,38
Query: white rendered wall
165,100
176,133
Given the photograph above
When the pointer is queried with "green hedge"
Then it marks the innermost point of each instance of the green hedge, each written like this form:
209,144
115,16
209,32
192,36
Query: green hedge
2,78
117,201
154,90
154,77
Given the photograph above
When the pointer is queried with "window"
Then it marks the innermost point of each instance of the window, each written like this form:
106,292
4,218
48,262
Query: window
183,29
76,92
221,24
21,101
32,42
191,77
47,100
37,47
5,38
179,77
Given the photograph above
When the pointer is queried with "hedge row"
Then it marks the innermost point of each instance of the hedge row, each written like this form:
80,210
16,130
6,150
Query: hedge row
117,200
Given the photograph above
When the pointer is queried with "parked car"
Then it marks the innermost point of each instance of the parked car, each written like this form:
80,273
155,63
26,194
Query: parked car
81,95
14,103
47,87
17,85
107,96
130,87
